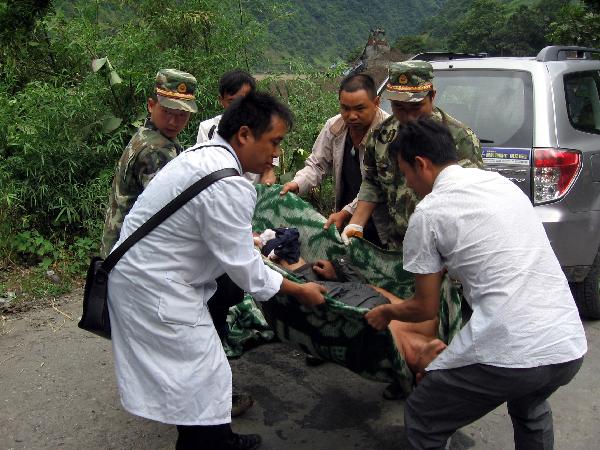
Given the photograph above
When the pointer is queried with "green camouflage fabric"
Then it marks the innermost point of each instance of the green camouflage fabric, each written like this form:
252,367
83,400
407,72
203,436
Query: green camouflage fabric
147,153
383,182
247,328
409,81
337,332
175,89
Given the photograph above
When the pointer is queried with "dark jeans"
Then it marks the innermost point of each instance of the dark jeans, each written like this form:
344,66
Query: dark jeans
227,295
196,437
447,400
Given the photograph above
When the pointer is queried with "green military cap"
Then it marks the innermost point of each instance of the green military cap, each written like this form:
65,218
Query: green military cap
175,89
409,81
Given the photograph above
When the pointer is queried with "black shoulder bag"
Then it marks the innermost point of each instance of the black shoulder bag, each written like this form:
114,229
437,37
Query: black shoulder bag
95,317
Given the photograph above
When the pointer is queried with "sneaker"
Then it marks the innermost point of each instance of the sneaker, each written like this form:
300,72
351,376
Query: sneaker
240,403
394,391
242,442
313,361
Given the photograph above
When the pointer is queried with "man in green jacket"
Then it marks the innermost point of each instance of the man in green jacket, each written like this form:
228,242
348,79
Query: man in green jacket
383,192
150,149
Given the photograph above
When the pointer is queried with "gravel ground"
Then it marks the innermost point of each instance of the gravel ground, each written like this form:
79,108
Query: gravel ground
58,392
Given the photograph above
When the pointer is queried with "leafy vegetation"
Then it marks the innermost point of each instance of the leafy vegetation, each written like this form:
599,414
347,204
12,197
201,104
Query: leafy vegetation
75,75
64,124
321,33
506,28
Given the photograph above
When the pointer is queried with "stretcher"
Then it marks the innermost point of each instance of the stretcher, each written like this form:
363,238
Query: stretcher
335,331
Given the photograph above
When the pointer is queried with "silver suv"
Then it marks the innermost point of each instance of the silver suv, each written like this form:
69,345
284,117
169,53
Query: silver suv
538,120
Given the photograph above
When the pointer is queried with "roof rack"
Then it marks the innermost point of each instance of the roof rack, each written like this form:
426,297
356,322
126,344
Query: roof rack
447,56
561,53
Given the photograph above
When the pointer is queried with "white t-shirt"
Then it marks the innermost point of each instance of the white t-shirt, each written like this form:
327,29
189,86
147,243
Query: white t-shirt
484,230
208,130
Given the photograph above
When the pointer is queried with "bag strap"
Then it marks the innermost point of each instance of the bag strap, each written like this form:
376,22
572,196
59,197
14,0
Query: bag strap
112,259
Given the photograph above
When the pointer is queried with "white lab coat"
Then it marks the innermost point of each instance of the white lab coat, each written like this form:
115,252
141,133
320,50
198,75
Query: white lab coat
169,362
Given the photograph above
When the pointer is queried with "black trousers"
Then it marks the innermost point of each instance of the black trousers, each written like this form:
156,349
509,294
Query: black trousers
449,399
197,437
227,295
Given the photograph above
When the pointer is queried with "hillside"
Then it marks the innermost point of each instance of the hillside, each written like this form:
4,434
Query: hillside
322,33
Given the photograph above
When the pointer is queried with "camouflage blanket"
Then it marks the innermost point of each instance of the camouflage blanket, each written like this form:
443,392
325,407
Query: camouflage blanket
335,331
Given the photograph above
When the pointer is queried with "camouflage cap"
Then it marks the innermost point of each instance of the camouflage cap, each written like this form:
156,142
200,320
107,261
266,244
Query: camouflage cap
409,81
175,89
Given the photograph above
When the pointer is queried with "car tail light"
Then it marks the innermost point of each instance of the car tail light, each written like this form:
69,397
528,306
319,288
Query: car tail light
554,171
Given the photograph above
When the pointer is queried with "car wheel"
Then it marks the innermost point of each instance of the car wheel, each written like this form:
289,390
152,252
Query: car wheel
587,292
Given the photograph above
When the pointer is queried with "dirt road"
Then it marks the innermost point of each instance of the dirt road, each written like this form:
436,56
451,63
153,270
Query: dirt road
58,392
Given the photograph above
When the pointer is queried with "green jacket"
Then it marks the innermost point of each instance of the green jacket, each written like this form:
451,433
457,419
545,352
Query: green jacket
148,151
383,182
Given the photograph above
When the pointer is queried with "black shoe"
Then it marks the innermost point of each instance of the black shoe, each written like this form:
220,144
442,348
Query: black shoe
240,402
313,361
242,442
394,391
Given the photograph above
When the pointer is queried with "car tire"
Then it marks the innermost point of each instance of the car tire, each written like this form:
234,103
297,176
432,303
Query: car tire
587,292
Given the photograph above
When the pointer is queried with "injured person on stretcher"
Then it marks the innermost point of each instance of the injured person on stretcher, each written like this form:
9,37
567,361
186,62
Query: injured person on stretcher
416,342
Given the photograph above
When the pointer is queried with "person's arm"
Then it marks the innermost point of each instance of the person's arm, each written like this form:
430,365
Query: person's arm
421,257
338,218
423,305
468,148
343,216
309,294
317,165
204,130
149,161
224,214
361,216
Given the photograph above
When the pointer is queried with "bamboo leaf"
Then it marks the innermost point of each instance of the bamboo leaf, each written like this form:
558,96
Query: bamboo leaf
98,63
111,124
114,78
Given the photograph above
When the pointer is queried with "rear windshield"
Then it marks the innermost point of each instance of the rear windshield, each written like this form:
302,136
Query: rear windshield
583,100
496,104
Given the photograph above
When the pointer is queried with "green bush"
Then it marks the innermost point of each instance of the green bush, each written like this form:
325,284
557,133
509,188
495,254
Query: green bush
57,154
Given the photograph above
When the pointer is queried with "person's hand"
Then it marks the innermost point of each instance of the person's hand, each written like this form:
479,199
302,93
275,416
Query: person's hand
339,219
311,294
379,317
290,186
325,269
351,230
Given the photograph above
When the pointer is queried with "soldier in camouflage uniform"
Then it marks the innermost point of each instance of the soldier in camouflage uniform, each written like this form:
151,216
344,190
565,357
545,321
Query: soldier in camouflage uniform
383,192
150,149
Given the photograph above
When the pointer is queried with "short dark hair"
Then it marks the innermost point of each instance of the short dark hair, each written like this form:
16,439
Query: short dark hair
255,110
426,138
231,82
356,82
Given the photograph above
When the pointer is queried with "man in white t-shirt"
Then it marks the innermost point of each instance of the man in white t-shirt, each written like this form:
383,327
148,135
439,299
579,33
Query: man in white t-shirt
233,85
524,339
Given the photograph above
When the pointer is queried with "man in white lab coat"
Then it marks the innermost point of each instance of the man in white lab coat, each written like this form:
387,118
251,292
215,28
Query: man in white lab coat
169,362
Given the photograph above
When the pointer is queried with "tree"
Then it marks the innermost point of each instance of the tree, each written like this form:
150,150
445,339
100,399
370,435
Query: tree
412,44
481,29
577,24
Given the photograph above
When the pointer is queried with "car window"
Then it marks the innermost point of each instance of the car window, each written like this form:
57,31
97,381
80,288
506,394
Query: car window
496,104
583,100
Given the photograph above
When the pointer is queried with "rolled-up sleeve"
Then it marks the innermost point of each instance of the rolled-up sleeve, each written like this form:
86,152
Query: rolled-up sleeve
420,254
318,164
228,235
